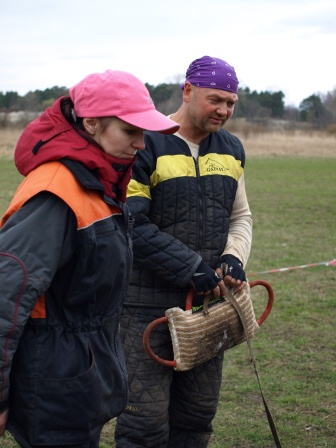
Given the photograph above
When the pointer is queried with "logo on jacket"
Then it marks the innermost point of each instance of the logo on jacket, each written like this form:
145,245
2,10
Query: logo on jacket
213,165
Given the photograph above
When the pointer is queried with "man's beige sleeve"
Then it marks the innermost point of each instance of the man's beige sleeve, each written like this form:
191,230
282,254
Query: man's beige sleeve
240,233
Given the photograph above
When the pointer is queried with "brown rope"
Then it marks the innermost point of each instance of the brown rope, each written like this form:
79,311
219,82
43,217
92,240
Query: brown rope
235,304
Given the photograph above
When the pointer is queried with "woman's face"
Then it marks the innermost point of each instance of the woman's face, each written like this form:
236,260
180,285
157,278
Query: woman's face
117,138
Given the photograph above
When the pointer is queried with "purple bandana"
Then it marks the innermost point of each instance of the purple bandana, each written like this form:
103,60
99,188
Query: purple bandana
212,73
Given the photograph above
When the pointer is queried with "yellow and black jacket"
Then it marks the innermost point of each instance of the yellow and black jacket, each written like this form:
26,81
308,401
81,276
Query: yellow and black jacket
182,209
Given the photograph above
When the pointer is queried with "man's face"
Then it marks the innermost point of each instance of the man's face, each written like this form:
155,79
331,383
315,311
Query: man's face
209,109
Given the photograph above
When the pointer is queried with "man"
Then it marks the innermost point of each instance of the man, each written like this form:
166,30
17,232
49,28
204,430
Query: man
192,220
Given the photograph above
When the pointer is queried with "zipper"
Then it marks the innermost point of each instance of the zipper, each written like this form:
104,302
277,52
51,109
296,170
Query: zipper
127,229
200,208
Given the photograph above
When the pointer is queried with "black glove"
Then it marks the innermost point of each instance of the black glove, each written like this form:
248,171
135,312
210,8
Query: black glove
204,279
234,267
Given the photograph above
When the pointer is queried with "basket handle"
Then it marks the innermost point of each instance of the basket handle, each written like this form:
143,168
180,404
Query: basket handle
252,284
270,300
147,347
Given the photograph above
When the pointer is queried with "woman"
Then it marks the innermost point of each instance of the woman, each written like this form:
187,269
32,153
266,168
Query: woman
65,260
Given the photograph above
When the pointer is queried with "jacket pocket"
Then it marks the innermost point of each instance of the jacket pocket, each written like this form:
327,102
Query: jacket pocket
62,411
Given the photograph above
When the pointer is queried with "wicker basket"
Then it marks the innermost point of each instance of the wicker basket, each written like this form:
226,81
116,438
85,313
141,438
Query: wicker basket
197,336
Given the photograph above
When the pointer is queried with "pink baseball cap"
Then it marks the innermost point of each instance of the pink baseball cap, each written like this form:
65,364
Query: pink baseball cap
119,94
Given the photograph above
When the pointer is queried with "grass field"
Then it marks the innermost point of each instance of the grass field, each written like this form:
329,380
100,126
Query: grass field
292,197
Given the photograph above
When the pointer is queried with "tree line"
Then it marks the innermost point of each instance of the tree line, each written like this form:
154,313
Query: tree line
318,110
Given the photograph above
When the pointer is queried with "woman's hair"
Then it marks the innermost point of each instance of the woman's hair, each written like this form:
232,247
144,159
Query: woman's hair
67,108
68,112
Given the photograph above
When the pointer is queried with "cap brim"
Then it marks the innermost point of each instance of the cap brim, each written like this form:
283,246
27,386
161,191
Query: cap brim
151,120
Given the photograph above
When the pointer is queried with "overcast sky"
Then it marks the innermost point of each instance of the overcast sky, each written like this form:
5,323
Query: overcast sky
286,45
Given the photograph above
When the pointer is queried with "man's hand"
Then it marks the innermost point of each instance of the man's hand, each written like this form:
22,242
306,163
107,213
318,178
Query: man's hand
233,272
206,281
3,420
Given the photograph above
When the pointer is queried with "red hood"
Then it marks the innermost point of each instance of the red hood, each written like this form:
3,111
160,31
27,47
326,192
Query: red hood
50,137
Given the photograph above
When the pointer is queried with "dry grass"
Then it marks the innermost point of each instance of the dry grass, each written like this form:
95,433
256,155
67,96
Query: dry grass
289,143
8,139
257,142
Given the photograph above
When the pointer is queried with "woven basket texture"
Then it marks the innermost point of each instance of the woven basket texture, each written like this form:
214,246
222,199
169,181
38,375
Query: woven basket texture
197,337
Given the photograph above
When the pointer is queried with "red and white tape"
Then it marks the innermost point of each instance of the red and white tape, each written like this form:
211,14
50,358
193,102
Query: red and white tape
322,263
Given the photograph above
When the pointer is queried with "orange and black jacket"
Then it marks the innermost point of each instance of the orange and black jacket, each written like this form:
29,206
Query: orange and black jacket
65,261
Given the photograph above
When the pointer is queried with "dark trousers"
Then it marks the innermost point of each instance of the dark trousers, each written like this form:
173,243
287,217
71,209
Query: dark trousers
166,408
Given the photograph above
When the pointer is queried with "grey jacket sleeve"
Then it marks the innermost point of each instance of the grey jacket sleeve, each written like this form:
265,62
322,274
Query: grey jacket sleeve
34,242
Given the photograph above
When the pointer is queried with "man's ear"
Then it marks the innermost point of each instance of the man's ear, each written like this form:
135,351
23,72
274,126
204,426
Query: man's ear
187,92
90,125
